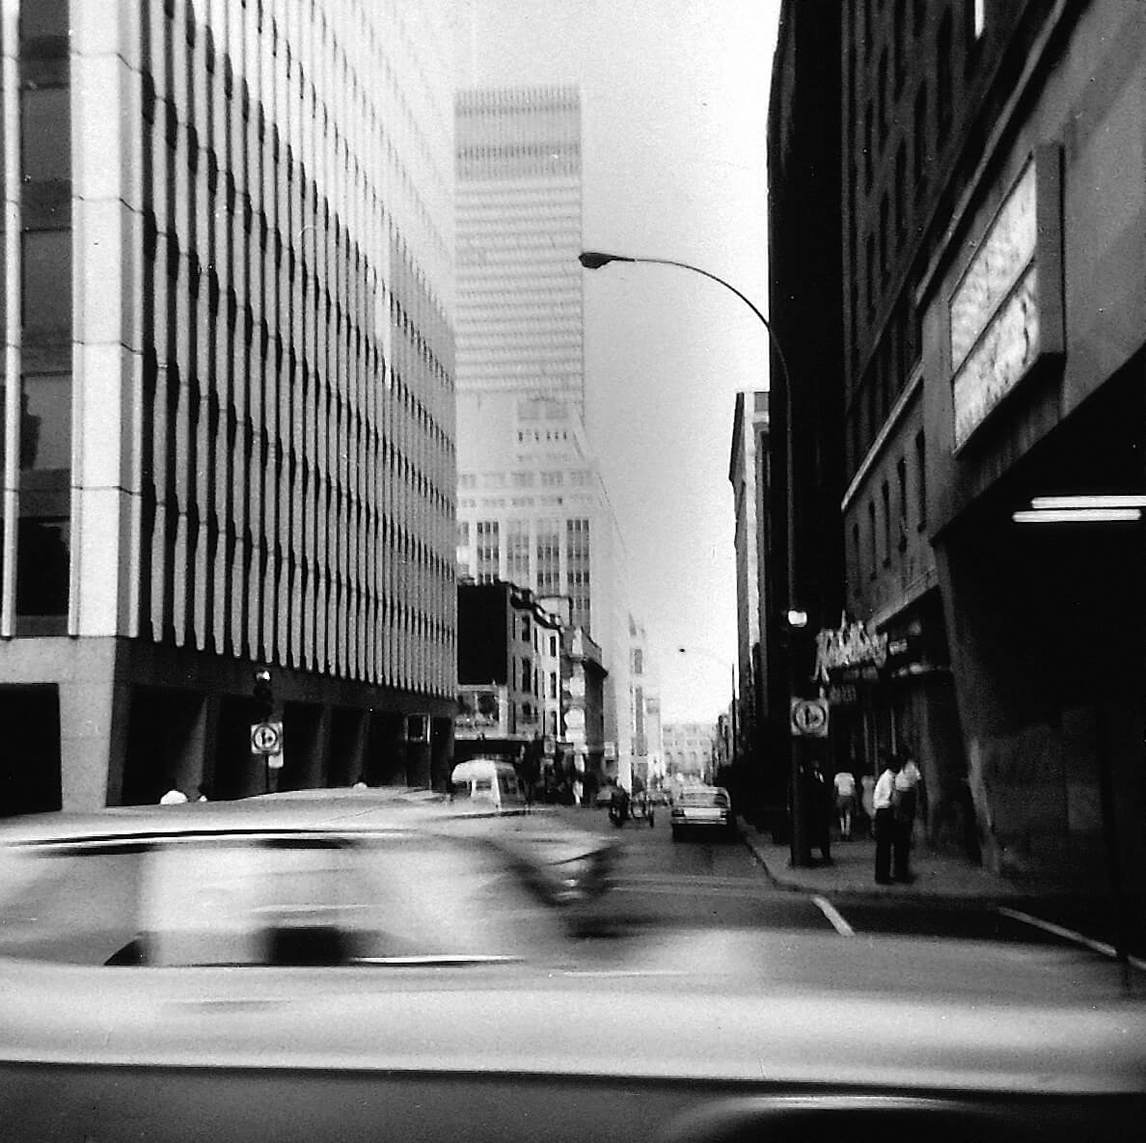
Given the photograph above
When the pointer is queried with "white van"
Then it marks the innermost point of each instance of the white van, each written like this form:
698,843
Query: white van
489,780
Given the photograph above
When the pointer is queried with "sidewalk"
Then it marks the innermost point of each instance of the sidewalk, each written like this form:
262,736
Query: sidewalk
853,871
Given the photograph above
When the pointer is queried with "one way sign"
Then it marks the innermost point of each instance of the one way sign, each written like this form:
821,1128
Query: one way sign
809,718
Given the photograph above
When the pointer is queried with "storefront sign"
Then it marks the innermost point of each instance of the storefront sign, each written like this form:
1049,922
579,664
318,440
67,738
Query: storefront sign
852,645
1004,313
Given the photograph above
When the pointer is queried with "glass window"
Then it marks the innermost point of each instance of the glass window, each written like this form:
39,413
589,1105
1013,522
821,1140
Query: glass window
47,284
46,422
45,135
42,567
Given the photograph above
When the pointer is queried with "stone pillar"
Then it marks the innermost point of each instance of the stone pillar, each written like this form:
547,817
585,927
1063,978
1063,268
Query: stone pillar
93,740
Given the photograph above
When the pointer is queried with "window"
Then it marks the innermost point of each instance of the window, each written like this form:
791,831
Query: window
919,140
42,569
47,292
901,192
885,496
873,553
857,556
525,629
901,502
488,551
943,73
921,478
46,422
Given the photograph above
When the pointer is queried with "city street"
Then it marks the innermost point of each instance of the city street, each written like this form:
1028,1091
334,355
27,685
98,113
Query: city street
711,883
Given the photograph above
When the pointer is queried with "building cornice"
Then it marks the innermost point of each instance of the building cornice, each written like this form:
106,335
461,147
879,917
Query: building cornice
911,390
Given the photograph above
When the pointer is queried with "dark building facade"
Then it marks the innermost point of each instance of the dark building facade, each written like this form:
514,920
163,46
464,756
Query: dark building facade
993,194
803,568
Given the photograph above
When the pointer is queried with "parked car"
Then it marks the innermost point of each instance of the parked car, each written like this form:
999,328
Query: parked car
702,809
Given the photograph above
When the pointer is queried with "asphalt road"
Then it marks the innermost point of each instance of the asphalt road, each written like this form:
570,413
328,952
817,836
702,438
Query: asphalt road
719,884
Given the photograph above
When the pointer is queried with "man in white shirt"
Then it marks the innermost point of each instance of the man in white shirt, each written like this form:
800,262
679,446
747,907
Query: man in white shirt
885,832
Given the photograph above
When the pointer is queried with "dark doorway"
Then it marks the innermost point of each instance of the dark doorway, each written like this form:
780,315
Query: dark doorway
30,779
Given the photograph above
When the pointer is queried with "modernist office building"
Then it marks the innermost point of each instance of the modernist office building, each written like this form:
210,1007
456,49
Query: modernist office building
519,310
228,409
994,207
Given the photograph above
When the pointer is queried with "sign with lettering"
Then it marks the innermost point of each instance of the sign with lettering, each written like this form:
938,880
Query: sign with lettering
851,645
1005,312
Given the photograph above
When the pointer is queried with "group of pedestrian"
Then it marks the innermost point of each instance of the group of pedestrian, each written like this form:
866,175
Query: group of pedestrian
895,802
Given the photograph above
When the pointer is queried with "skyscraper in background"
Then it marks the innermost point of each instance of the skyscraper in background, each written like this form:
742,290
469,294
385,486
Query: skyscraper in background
519,314
532,507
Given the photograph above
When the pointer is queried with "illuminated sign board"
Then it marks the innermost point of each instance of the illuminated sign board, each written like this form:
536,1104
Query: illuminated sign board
1005,311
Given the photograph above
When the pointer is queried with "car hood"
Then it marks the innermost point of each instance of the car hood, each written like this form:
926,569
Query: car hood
775,1012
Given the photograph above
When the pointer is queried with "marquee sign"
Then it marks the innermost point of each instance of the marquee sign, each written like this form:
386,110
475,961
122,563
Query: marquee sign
1005,311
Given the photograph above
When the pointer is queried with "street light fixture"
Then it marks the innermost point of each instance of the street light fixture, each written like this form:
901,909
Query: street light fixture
594,260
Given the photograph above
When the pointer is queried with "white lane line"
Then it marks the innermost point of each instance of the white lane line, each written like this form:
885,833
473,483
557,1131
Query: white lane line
834,916
1067,934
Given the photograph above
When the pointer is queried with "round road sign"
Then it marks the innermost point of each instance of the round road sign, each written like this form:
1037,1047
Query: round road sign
266,738
810,717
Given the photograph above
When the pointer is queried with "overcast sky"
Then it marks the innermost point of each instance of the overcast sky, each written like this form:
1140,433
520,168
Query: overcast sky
674,103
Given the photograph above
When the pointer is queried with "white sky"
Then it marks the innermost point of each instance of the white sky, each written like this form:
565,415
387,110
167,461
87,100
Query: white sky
674,105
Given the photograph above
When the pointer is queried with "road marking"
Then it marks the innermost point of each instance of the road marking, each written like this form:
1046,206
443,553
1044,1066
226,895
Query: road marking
834,916
1067,934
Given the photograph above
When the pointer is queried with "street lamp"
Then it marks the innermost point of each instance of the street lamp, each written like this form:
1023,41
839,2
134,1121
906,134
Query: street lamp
594,260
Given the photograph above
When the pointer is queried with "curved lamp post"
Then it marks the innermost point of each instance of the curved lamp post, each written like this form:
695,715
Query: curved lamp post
594,260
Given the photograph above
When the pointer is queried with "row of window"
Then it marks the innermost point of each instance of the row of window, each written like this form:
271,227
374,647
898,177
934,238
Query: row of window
900,505
269,406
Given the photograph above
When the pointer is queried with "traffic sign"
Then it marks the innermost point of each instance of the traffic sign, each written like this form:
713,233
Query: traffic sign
809,718
267,738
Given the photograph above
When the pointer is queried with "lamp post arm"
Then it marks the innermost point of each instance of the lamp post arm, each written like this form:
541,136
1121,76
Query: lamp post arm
599,260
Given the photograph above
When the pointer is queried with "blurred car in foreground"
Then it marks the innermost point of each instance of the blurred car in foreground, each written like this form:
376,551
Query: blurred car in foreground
281,969
702,809
574,866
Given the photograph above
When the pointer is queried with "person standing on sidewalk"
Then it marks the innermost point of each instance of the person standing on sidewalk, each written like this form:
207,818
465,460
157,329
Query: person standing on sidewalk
845,784
905,803
884,823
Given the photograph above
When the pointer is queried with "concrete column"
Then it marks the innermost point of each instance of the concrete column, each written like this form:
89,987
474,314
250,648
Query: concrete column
93,741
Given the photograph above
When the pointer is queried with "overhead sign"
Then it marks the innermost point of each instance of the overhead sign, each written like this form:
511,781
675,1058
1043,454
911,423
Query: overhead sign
267,738
809,718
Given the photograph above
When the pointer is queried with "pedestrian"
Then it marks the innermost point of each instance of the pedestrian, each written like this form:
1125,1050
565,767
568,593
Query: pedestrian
845,786
884,818
818,808
905,803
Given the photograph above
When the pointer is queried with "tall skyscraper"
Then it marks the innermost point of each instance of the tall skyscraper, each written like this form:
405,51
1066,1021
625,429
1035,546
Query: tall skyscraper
519,313
229,395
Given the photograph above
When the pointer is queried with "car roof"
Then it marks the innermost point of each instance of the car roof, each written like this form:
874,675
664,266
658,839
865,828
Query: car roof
340,810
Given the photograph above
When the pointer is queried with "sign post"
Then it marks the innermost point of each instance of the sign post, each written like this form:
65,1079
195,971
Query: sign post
267,742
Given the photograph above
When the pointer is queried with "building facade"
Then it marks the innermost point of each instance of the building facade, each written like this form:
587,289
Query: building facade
692,751
533,511
993,206
229,408
509,677
759,773
804,561
519,314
